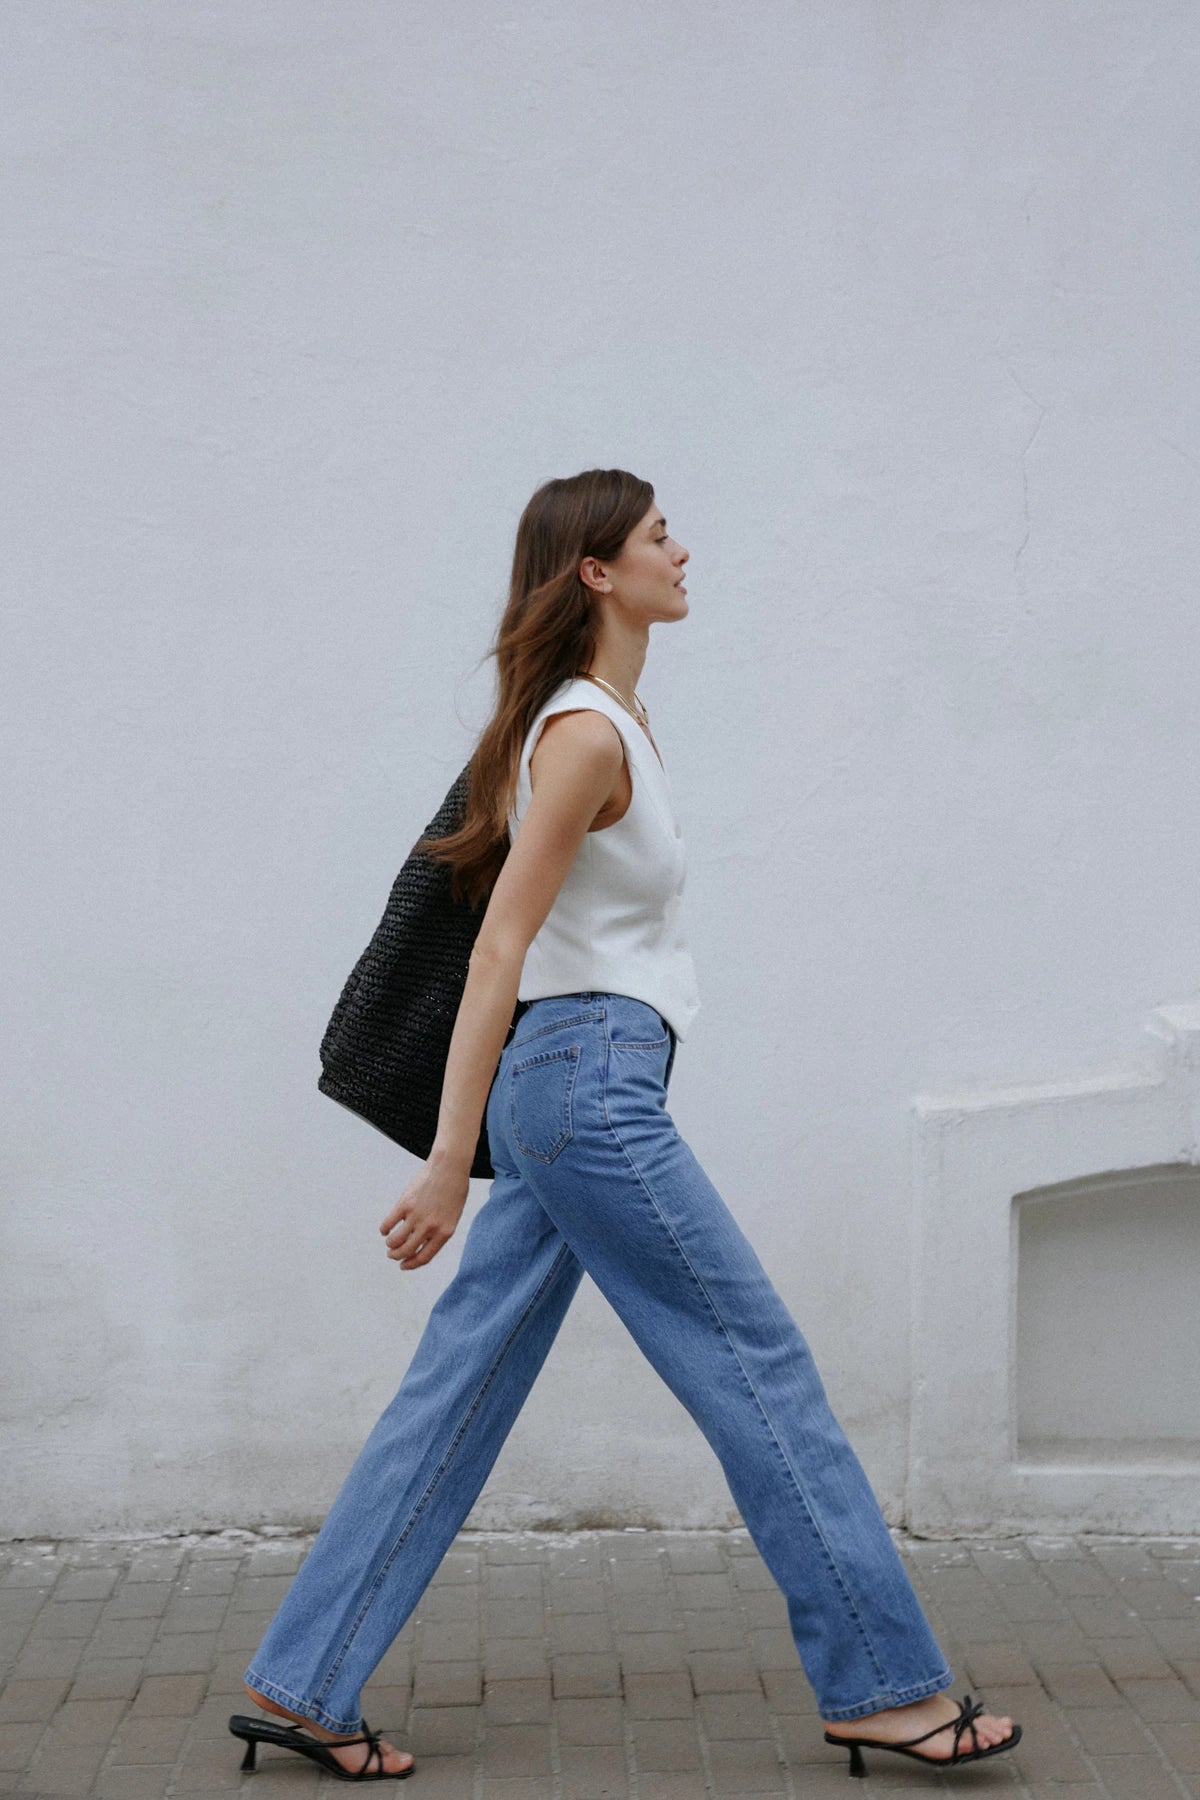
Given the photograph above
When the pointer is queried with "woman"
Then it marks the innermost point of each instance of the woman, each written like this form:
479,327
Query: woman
584,925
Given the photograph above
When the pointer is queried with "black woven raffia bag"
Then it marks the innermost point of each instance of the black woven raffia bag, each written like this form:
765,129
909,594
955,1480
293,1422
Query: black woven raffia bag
384,1051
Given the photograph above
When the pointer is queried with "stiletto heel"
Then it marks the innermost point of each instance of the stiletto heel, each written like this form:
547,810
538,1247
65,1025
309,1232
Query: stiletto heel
251,1753
857,1765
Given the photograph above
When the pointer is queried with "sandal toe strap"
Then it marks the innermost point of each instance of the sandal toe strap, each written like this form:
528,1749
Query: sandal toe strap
374,1755
967,1716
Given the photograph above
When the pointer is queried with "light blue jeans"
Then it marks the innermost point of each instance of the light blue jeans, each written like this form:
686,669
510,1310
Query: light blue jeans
591,1174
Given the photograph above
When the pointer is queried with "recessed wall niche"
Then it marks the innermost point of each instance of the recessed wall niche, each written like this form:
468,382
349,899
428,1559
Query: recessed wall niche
1107,1340
1056,1292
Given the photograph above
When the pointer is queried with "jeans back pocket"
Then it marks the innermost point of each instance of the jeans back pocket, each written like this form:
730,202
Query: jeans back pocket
541,1087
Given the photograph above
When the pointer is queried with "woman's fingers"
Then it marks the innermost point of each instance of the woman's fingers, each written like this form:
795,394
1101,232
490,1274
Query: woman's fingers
417,1258
420,1251
416,1233
414,1242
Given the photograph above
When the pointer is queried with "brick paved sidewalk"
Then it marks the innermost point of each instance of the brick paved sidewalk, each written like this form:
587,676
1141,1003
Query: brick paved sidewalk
637,1665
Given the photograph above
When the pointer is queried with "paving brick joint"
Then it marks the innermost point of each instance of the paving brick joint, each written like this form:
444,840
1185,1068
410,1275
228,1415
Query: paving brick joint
616,1665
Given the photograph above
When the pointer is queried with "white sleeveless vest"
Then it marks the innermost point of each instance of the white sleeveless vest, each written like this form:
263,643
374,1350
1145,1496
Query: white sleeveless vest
616,925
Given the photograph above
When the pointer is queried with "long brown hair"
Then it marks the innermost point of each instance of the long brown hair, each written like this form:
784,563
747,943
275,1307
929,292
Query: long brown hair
548,632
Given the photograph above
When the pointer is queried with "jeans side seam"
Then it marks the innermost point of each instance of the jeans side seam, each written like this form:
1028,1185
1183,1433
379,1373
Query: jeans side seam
436,1478
724,1332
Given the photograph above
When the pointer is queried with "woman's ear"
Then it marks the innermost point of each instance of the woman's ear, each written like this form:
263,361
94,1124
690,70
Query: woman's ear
592,575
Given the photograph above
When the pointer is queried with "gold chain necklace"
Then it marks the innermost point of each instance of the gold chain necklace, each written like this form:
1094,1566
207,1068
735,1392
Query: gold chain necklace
640,713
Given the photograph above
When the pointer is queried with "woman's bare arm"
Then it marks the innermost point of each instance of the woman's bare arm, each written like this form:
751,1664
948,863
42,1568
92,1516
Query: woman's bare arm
573,769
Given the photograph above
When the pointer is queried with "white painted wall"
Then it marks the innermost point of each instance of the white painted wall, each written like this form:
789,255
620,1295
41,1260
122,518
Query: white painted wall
895,304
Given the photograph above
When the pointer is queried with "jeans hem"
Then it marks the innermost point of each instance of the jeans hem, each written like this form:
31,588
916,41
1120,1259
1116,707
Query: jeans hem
897,1697
310,1710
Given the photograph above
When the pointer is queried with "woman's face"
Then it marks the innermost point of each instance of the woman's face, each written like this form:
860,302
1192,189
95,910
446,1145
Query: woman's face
645,579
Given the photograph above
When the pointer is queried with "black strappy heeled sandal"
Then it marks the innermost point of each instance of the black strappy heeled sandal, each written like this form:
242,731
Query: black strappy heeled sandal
290,1737
967,1714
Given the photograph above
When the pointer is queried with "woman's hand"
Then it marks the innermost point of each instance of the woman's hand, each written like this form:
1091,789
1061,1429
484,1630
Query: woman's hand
426,1215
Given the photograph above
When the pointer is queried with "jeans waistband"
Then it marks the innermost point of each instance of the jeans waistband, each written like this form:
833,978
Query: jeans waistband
584,994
